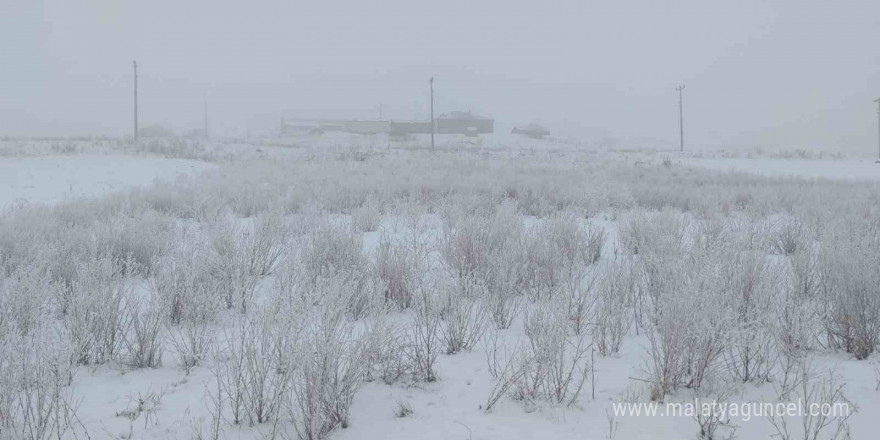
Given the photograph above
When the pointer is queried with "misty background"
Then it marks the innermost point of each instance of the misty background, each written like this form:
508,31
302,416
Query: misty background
786,73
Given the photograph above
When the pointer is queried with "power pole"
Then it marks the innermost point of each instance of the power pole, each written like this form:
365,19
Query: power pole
878,129
206,119
135,99
680,117
431,81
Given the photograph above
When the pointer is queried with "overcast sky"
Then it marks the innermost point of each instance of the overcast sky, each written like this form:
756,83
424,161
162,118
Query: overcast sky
794,73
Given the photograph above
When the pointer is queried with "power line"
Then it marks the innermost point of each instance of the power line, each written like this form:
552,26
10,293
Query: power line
878,129
680,117
134,63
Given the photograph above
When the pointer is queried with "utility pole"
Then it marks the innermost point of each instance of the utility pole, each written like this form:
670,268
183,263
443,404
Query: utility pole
878,129
431,81
206,119
680,117
135,64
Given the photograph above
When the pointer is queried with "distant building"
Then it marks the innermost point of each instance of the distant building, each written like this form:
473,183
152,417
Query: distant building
367,127
410,127
465,123
533,131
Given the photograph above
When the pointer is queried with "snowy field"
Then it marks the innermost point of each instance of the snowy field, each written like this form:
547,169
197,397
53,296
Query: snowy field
52,179
372,290
847,169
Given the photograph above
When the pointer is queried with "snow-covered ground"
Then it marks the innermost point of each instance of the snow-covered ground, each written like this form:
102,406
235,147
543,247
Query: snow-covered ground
52,179
115,400
848,169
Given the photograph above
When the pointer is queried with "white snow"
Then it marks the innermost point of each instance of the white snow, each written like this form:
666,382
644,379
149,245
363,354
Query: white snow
52,179
808,168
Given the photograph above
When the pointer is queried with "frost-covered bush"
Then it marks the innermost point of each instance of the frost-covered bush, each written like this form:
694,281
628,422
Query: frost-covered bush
469,247
611,315
187,282
595,243
141,332
502,290
424,337
555,364
192,341
367,217
578,297
357,291
691,319
400,266
135,243
94,321
789,236
463,322
386,350
641,232
232,264
850,287
330,367
269,240
749,289
327,250
555,251
36,401
26,297
252,365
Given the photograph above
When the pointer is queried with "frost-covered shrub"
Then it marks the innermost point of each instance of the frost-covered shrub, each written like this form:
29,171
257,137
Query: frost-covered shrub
357,291
668,341
423,336
232,264
641,232
94,320
554,252
816,389
469,247
689,320
578,297
142,331
789,236
187,282
191,340
850,288
595,242
253,365
555,364
501,289
550,255
806,272
400,266
329,249
368,217
611,315
269,240
135,243
749,290
36,401
26,296
328,371
463,322
385,350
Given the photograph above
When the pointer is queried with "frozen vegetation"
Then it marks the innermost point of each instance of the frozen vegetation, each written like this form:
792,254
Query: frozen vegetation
290,291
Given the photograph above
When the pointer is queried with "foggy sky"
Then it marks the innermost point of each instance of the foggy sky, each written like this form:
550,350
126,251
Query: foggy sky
793,73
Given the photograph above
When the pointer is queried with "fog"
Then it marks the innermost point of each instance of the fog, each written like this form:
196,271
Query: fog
795,74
